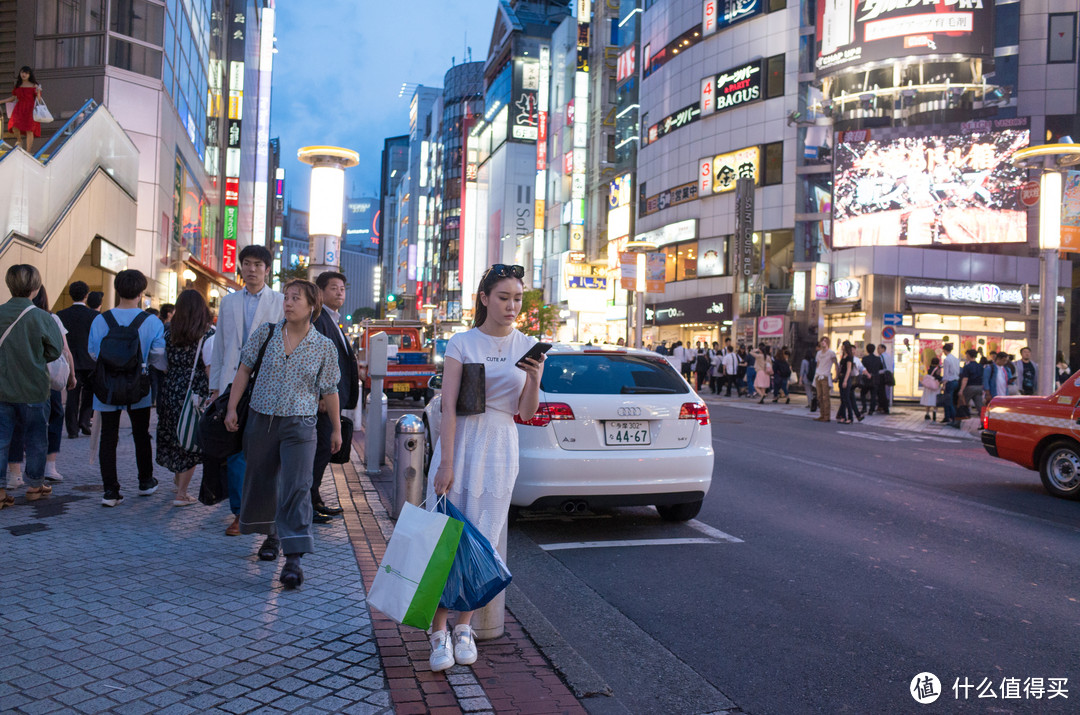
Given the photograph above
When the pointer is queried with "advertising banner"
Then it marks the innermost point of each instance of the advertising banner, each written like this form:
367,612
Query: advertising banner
719,14
1070,213
655,268
951,185
852,33
628,270
712,309
524,116
771,327
672,197
741,164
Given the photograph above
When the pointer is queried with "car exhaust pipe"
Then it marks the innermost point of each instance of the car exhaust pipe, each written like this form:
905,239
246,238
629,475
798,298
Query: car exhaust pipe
581,506
570,507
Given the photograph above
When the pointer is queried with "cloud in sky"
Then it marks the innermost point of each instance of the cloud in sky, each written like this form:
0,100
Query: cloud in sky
341,63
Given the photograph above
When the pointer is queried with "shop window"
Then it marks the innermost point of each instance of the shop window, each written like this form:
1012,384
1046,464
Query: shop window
774,78
1015,326
669,264
975,324
686,257
773,170
138,19
933,321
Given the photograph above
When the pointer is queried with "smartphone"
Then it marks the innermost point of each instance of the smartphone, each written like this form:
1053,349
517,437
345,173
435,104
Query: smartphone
534,353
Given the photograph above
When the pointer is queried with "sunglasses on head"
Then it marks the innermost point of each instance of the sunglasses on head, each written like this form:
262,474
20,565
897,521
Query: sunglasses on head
503,270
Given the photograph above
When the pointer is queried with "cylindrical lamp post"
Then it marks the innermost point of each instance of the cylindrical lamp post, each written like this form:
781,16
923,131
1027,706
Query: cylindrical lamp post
327,204
1049,158
640,248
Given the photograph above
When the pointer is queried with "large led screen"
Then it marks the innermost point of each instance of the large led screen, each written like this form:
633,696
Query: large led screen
945,187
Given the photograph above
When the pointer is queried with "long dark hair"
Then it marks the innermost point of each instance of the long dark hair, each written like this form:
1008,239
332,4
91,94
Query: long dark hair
41,300
488,281
30,71
191,319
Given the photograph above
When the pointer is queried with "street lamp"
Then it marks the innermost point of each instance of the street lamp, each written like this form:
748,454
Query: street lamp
640,248
429,309
326,205
1049,159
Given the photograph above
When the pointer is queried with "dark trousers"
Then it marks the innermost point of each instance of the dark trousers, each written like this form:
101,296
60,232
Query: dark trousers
870,391
882,397
322,456
110,435
701,377
80,403
729,381
714,383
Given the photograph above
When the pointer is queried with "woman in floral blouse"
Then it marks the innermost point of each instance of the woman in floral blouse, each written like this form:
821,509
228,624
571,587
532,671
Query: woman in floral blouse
298,377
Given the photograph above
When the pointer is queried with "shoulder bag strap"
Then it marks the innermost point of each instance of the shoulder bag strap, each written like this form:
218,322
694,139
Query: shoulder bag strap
26,310
110,320
195,363
262,351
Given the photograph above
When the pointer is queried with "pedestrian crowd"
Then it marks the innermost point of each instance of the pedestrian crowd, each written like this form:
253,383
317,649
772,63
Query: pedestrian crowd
754,372
176,360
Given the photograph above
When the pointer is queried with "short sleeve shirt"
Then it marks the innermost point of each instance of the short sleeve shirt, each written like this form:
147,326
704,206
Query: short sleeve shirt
291,385
973,372
151,338
503,379
825,360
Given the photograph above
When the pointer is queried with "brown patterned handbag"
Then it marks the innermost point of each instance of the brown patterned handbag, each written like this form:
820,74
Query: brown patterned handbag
472,397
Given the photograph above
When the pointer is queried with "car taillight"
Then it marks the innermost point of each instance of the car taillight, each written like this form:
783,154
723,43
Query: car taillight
546,412
695,411
986,415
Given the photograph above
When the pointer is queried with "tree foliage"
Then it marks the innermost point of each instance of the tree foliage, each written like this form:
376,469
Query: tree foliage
537,318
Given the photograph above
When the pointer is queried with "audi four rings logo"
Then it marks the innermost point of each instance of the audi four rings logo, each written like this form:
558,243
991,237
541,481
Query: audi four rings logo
629,412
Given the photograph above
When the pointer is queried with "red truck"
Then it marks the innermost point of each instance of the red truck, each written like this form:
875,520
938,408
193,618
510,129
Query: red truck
1039,433
410,364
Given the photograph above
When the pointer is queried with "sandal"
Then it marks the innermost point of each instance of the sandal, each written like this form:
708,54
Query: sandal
35,493
6,501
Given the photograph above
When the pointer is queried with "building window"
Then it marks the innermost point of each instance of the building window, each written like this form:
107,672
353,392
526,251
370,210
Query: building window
135,58
774,79
68,52
138,19
773,170
64,17
774,5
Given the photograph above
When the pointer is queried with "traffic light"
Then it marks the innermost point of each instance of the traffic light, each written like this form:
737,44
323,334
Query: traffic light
391,298
348,317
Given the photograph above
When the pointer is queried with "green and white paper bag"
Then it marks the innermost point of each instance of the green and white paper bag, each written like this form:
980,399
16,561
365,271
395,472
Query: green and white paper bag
413,571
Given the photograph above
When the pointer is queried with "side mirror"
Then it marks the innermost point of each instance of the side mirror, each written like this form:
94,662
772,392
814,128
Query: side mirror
435,382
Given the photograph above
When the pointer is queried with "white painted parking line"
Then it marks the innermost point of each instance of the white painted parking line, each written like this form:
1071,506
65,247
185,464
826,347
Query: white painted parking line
714,533
627,542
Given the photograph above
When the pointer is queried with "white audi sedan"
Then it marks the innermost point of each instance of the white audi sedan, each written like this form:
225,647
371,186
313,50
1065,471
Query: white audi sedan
615,427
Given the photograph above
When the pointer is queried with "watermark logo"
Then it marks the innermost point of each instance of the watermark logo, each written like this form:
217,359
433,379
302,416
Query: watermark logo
925,688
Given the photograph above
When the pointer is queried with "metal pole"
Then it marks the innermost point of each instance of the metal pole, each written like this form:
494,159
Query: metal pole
1048,290
639,319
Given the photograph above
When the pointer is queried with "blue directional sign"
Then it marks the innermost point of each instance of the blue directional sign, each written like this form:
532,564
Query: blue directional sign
894,319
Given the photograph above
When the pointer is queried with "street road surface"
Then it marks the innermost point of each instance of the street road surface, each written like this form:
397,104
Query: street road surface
830,565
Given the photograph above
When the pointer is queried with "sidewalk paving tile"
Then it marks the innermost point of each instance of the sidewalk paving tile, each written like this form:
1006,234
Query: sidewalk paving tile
149,608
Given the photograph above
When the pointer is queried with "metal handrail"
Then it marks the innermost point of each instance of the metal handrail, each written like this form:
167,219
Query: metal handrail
74,122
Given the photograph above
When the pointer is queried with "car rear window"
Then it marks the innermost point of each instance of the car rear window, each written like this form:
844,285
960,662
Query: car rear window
610,375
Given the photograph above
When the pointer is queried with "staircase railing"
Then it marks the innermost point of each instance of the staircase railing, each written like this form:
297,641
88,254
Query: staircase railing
58,139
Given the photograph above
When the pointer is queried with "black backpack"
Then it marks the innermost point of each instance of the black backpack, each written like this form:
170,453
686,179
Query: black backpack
121,377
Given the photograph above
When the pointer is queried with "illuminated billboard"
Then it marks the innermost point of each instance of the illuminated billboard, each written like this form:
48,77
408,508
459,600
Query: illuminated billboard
852,33
951,185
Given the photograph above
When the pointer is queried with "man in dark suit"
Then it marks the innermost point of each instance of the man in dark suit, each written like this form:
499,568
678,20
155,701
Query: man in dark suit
77,319
332,288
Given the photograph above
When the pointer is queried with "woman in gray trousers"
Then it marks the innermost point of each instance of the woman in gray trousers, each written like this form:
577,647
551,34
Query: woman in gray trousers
298,378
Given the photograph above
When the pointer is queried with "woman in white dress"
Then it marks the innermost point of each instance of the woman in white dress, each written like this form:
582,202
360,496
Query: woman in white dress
477,467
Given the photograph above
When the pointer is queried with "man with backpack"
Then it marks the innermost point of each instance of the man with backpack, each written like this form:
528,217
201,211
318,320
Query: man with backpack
125,341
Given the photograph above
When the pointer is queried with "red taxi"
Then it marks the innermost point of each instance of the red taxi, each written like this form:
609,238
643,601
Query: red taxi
1039,433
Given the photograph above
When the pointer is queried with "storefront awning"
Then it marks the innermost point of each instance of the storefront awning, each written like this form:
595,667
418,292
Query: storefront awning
219,278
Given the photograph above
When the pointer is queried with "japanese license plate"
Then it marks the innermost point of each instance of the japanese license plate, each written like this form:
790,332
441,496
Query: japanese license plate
621,433
401,387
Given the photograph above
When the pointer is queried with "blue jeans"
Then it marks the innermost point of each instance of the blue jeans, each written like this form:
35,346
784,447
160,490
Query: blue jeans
16,453
234,470
34,419
950,399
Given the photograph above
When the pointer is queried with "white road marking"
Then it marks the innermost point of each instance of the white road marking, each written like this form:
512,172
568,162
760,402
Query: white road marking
714,533
627,542
880,437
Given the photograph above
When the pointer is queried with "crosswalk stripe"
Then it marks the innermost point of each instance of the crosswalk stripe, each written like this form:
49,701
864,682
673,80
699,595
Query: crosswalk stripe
626,542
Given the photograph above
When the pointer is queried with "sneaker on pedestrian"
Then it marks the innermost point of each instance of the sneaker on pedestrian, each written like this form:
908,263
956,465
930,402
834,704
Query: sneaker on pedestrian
14,476
442,653
51,475
111,499
464,644
149,488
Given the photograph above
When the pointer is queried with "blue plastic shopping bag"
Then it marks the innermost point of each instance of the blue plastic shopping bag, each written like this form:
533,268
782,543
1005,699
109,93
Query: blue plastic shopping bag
478,573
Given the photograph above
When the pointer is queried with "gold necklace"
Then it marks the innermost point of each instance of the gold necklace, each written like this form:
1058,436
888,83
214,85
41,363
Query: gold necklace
500,343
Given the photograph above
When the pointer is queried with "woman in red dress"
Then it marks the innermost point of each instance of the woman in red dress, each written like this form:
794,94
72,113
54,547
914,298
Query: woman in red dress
25,95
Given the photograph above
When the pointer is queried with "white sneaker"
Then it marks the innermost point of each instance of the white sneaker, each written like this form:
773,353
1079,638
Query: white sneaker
51,475
464,644
442,655
14,479
111,500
